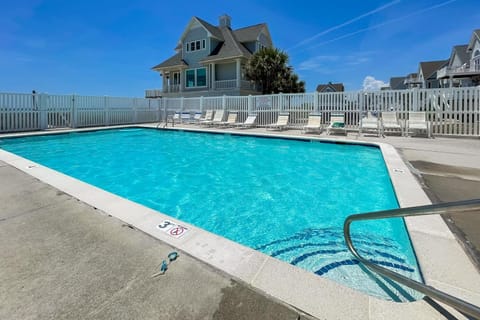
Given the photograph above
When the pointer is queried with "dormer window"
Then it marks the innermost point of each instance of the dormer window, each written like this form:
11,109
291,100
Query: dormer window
195,45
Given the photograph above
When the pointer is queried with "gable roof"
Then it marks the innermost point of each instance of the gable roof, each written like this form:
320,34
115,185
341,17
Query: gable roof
336,87
250,33
174,61
429,68
475,36
214,31
229,48
397,83
461,53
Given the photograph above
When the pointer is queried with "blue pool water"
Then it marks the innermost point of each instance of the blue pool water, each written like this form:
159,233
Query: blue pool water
285,198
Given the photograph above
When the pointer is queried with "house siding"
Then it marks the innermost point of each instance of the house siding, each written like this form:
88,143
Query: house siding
456,61
251,46
193,57
225,71
264,40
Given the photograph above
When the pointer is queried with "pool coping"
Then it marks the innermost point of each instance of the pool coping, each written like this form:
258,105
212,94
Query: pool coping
301,289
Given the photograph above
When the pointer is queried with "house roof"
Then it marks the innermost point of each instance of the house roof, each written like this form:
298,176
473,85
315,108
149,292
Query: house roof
214,31
461,52
337,87
229,48
475,36
429,68
174,61
251,33
397,83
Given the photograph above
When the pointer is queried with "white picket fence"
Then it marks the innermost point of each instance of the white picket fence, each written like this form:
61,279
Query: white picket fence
28,112
452,111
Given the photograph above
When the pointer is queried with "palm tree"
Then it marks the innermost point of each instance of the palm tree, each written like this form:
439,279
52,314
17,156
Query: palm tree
268,67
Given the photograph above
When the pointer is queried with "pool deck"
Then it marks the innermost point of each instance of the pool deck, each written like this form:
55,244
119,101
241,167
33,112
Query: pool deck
94,258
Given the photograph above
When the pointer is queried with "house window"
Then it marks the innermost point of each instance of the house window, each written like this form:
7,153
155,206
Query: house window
196,78
195,45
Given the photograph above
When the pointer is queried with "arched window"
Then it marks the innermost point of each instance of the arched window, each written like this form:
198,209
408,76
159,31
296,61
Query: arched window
477,53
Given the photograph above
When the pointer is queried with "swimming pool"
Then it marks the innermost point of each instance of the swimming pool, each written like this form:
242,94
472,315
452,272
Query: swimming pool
285,198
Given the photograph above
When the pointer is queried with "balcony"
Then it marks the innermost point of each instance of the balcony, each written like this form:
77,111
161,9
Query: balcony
232,84
465,70
153,93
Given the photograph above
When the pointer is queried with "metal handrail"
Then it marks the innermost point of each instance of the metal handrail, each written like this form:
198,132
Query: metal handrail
458,206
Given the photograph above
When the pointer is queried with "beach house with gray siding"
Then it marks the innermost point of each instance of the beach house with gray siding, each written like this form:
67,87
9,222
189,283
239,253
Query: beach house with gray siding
210,60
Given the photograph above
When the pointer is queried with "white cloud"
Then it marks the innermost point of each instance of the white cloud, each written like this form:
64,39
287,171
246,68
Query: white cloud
372,84
318,63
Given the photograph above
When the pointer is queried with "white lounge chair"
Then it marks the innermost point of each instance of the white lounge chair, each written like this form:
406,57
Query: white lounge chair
282,122
217,118
390,122
314,123
185,117
207,118
249,122
196,117
417,122
370,123
231,120
337,124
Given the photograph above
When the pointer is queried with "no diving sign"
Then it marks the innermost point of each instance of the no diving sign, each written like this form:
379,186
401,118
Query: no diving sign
172,229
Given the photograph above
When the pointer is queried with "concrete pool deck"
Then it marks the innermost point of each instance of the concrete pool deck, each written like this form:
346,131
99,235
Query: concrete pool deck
257,277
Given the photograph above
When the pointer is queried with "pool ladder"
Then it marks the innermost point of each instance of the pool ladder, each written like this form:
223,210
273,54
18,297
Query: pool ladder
462,306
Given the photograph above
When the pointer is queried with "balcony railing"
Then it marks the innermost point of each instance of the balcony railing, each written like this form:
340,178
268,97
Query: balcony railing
153,93
464,70
232,84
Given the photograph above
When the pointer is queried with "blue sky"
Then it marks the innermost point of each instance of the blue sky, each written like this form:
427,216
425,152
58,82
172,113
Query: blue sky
108,47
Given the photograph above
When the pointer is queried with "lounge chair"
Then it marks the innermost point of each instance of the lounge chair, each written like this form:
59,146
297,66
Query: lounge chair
207,118
390,122
196,117
417,122
314,123
231,120
281,123
185,117
337,124
370,123
249,122
217,119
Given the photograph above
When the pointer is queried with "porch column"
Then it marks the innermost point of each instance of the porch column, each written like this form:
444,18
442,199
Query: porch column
213,76
239,76
181,85
164,82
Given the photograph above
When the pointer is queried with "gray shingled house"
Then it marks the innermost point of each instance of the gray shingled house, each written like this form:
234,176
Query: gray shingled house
210,60
463,69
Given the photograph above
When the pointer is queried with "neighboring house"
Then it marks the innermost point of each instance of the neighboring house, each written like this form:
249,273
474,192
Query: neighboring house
331,87
397,83
463,69
427,73
210,60
412,81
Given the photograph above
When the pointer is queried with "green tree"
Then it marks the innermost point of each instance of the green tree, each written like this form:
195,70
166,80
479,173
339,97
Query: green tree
269,68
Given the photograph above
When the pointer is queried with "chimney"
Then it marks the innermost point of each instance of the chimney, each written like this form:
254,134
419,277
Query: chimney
225,21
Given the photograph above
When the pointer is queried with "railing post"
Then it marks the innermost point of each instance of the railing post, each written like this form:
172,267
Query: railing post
280,102
106,110
249,104
315,101
73,123
182,102
135,115
201,104
42,107
224,102
415,99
